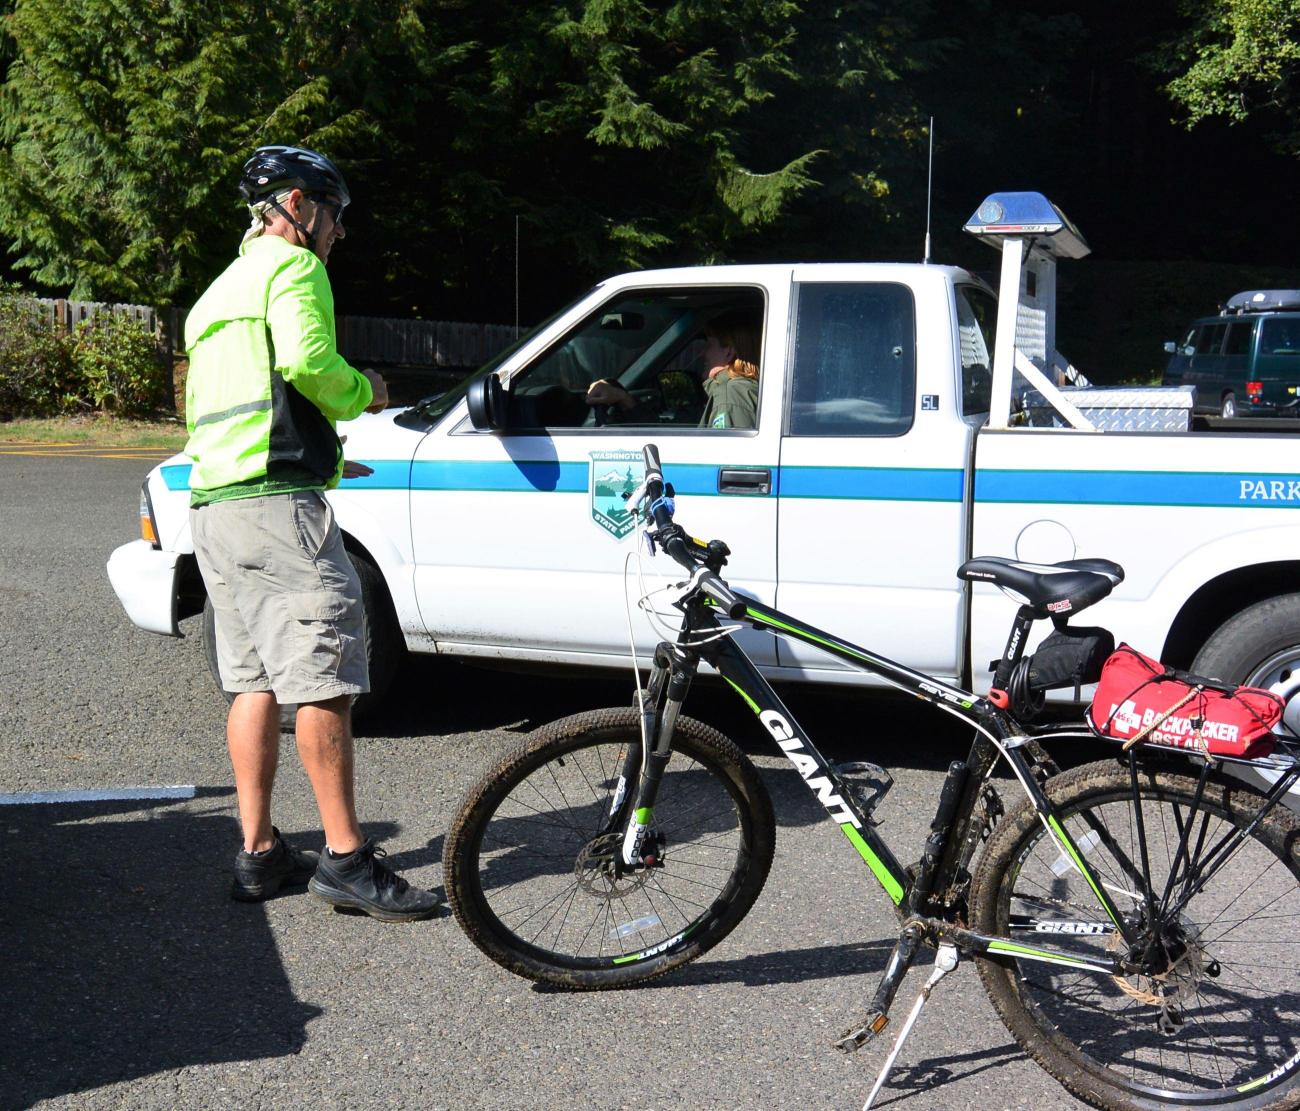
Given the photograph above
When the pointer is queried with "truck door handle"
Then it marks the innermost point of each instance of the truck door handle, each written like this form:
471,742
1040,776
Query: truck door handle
747,480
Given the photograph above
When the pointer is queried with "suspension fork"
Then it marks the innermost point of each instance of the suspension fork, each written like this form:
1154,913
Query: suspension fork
674,670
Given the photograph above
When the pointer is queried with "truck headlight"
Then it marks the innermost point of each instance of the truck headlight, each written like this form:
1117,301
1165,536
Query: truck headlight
148,527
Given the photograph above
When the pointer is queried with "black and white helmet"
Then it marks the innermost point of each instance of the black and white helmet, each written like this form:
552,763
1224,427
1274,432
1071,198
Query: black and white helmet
274,169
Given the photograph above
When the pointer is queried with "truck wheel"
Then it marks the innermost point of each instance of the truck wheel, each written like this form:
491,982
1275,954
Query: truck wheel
384,645
1228,407
1258,647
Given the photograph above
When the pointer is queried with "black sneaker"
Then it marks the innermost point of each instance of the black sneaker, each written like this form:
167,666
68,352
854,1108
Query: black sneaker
362,881
260,877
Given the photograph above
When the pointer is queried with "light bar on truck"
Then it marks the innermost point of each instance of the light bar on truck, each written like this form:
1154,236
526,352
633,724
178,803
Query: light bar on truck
1003,216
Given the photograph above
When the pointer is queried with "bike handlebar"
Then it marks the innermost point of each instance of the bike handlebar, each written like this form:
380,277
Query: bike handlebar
674,542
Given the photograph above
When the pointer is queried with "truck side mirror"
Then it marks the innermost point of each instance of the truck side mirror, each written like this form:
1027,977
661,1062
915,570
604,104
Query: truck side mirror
487,403
1170,347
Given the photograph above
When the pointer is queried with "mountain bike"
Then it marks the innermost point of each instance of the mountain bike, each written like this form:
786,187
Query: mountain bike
1135,921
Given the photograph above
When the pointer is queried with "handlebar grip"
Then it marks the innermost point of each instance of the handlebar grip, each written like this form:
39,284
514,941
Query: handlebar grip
653,471
729,601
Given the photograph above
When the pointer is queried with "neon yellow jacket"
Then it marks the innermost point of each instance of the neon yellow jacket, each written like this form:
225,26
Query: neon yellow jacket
266,382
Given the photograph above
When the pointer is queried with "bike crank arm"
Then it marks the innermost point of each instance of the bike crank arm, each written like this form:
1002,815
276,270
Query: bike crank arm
945,960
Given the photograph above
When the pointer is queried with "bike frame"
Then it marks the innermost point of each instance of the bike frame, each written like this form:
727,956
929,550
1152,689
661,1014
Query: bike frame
954,837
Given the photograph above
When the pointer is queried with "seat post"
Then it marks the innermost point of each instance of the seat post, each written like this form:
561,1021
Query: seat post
1015,649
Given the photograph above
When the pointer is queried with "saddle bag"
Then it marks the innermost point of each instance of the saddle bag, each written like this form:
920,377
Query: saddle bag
1069,657
1140,699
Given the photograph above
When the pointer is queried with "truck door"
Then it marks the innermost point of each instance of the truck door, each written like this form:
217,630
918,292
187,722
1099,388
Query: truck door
870,525
520,536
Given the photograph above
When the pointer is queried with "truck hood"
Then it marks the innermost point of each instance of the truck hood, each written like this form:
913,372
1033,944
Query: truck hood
372,436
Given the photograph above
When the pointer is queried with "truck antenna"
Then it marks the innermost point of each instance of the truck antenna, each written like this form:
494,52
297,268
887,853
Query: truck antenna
929,190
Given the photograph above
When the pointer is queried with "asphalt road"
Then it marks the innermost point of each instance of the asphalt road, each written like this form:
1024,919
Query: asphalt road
131,980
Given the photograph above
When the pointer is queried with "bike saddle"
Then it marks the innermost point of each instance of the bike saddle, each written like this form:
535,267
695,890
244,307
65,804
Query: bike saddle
1050,589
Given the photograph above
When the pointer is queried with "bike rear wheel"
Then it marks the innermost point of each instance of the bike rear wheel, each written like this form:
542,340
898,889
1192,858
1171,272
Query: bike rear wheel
1214,1018
531,875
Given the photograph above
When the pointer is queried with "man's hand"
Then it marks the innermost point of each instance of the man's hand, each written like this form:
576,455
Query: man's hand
352,469
380,400
604,392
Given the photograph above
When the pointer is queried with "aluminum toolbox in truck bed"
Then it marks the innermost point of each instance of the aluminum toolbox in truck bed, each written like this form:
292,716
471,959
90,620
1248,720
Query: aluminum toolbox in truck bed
1120,408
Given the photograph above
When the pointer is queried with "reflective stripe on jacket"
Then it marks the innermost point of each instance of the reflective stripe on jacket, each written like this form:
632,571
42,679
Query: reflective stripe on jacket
266,382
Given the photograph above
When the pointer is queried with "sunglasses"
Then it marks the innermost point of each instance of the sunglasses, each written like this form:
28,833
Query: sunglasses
332,205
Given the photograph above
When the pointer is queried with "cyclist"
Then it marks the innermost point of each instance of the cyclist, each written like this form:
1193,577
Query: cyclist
266,384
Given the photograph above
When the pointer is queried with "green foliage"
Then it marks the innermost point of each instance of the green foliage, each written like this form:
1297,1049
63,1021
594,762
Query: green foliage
618,132
109,363
117,366
36,374
124,126
1238,58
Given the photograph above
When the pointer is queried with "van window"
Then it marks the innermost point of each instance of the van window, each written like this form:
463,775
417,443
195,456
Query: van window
977,313
1209,338
651,343
854,360
1280,336
1239,335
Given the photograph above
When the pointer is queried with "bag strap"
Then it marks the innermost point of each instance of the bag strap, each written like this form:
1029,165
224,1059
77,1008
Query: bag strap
1157,722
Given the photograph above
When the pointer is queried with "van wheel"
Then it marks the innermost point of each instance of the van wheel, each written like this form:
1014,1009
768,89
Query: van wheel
1258,647
384,645
1228,407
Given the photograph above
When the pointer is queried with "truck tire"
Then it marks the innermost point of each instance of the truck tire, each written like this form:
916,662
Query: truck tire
1257,647
1228,406
384,646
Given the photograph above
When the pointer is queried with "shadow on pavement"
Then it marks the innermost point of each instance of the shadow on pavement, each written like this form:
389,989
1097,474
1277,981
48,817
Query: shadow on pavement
124,955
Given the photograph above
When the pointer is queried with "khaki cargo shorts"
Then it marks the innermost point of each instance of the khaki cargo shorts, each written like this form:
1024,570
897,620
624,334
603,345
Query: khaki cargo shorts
286,596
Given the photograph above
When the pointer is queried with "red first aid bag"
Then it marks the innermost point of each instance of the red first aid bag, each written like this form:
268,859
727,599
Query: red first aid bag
1139,698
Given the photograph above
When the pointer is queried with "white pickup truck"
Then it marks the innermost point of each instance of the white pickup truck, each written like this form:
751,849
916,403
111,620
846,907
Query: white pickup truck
887,450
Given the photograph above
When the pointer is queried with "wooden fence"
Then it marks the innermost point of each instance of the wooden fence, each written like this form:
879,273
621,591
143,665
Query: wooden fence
362,340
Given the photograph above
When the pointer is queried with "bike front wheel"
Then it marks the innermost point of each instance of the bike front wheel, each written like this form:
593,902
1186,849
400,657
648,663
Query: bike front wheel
1207,1015
531,869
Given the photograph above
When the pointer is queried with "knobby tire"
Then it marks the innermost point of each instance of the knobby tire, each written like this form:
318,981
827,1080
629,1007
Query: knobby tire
523,864
1228,996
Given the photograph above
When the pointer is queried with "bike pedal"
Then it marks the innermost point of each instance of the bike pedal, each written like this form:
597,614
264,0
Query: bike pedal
856,1037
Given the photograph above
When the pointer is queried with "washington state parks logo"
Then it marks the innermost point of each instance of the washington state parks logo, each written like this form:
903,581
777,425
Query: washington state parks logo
613,474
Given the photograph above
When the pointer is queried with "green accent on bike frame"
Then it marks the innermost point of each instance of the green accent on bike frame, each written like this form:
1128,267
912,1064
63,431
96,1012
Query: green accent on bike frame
768,619
741,691
1056,958
839,646
1084,870
892,887
643,815
887,880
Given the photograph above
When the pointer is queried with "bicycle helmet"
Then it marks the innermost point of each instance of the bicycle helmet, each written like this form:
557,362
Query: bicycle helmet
273,170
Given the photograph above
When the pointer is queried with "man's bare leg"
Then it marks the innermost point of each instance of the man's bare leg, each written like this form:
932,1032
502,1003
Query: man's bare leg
253,738
325,745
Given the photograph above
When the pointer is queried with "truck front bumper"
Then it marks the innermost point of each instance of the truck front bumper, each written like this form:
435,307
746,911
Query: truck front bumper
145,581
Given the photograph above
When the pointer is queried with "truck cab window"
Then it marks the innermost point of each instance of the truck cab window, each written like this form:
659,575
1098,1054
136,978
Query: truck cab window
854,360
977,314
648,348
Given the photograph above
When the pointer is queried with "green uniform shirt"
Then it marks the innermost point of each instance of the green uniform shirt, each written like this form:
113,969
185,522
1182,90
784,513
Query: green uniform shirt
733,402
266,382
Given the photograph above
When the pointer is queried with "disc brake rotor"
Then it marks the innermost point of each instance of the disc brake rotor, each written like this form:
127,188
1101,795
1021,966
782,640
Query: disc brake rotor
596,873
1175,983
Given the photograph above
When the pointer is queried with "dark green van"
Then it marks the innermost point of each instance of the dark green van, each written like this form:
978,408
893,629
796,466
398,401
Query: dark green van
1245,361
